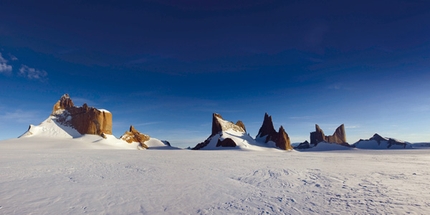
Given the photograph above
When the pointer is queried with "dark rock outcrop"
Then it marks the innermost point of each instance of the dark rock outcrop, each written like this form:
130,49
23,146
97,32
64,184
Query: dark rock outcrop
281,138
227,142
133,135
267,129
338,137
86,120
218,126
304,145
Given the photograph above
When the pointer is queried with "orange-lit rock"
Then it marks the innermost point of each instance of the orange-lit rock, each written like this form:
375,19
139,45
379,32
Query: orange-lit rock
283,140
86,120
133,135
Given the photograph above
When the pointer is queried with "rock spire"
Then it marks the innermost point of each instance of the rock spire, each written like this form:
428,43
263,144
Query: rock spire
267,131
339,136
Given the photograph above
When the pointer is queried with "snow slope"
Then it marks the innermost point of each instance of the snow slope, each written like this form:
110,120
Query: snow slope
46,176
243,142
50,128
52,131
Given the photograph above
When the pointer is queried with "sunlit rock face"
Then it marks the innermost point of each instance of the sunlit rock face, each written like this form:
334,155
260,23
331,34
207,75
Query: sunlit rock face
133,135
219,125
338,137
86,120
268,132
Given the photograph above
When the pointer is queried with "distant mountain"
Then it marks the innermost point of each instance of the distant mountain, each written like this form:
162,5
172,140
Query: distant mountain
379,142
318,136
267,134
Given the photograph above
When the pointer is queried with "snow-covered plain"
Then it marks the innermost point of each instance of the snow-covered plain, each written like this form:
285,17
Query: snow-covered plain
43,175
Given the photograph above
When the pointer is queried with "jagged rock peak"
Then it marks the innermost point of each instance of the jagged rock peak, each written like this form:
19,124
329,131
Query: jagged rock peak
86,120
240,124
339,136
267,128
283,140
62,104
219,125
133,135
280,138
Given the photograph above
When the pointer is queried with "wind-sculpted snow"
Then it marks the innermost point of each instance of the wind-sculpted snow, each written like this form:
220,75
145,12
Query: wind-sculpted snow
46,176
51,128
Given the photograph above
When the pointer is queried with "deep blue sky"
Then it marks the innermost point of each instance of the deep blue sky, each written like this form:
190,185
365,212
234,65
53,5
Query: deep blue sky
166,66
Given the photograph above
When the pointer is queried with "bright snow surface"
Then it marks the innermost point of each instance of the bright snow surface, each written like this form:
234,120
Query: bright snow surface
89,176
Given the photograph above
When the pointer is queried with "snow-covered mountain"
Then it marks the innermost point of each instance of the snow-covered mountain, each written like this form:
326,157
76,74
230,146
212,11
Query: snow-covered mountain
88,124
228,135
379,142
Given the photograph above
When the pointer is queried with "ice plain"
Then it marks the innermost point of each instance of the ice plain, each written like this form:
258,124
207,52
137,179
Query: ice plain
70,176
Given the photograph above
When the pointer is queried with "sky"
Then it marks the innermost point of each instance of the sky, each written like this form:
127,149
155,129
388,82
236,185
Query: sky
165,66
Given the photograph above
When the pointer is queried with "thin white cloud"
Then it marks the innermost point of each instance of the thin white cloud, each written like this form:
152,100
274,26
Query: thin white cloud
19,116
2,60
12,57
32,73
4,67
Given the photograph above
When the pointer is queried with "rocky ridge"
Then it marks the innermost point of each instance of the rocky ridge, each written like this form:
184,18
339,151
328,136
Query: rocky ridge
338,137
219,125
85,119
133,135
268,132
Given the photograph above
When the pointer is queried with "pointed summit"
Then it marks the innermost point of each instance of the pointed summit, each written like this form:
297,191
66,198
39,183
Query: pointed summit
62,104
317,136
267,129
219,128
283,140
268,132
338,136
219,125
379,142
216,125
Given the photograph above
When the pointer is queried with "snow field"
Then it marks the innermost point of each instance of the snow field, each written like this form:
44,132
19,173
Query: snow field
43,177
